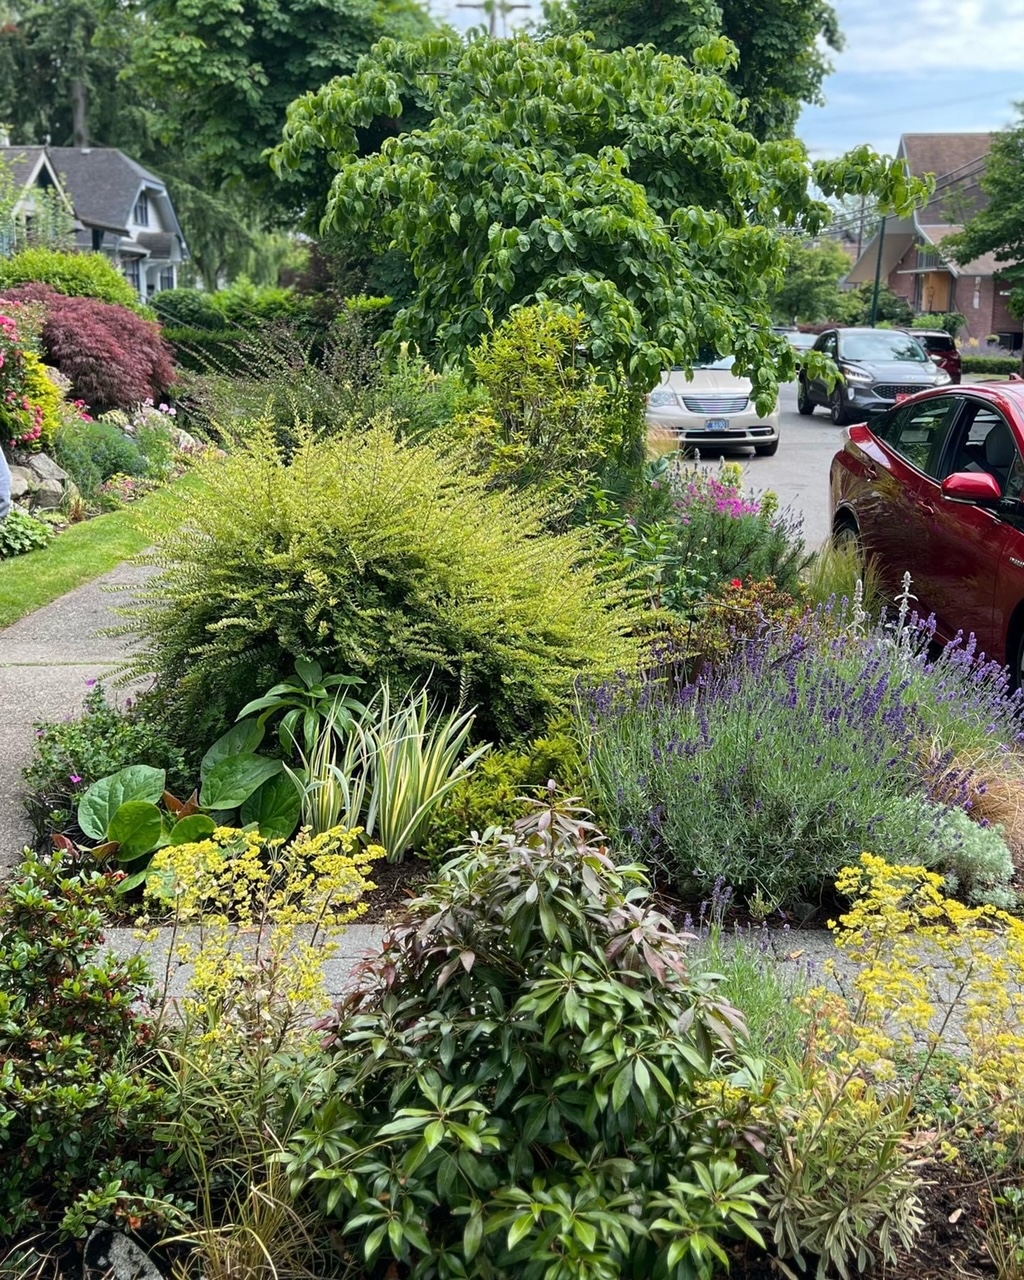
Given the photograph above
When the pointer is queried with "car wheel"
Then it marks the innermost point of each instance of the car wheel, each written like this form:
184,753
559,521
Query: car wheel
837,407
1017,670
846,537
767,450
804,403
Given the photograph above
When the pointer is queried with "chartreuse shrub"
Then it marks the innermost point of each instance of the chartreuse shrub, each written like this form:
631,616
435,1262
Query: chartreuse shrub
494,794
381,560
518,1085
77,275
550,422
773,769
77,1111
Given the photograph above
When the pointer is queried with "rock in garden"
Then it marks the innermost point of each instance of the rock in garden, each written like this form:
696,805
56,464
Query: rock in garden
109,1255
22,482
48,494
44,468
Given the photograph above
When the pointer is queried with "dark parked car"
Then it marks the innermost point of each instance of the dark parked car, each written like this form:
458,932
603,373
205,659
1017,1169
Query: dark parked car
879,367
934,487
942,349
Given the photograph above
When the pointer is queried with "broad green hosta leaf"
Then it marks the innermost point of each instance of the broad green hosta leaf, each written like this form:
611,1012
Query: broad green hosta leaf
230,783
103,799
137,826
275,807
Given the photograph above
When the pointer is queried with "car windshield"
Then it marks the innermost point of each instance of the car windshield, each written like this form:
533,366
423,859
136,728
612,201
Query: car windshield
881,346
707,360
802,341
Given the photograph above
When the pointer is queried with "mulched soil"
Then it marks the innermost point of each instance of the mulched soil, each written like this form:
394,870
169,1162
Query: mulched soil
952,1244
396,883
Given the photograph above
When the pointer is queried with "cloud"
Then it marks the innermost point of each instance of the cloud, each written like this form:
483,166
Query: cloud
919,37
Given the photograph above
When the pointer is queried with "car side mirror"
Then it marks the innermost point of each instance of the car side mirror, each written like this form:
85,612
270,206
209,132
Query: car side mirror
972,486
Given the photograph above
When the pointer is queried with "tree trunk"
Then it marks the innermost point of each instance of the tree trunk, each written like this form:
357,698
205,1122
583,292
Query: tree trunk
79,113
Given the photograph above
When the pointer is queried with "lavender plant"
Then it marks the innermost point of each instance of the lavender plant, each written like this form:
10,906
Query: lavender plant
803,750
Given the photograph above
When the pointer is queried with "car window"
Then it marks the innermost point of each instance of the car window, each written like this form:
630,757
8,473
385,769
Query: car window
985,442
918,432
937,342
829,344
882,344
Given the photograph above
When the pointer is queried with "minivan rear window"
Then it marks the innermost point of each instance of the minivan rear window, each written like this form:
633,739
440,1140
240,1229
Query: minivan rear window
937,342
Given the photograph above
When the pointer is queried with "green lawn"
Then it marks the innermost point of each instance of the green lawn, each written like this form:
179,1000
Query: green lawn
83,552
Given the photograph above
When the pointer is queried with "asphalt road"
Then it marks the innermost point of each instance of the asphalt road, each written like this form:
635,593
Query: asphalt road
799,471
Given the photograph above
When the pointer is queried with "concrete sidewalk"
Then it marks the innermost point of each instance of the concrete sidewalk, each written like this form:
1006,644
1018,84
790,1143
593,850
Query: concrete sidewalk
45,661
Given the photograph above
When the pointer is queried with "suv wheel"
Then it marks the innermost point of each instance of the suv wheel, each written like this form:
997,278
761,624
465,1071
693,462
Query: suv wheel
837,407
804,403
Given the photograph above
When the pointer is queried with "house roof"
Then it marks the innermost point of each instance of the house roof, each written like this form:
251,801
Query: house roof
104,183
25,165
942,153
986,265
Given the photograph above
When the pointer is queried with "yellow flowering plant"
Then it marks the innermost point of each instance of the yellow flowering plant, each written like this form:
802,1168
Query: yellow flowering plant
256,919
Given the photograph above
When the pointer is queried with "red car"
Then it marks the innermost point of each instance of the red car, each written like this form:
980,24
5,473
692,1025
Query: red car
941,348
934,487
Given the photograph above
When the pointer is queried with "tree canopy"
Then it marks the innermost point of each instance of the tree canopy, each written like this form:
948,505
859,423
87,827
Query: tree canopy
621,182
229,68
999,228
810,288
781,44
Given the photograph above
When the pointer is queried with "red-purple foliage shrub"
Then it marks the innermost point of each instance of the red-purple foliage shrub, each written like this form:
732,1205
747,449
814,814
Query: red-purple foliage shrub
114,358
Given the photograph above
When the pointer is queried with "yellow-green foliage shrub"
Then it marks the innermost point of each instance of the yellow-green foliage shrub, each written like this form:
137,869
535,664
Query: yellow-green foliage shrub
44,392
383,560
494,794
550,421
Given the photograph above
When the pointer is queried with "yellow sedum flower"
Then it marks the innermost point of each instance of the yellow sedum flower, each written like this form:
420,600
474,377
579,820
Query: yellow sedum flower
260,917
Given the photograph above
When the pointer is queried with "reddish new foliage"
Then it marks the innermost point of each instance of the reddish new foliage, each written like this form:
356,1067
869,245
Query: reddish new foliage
114,358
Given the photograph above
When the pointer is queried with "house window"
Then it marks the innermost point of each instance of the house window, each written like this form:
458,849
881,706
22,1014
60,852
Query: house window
131,271
928,260
97,239
167,278
141,214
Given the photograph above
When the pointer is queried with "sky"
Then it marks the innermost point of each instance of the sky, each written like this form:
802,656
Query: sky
908,66
918,66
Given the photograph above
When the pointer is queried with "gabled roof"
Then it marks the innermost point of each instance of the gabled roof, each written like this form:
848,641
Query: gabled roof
104,184
28,164
942,153
958,162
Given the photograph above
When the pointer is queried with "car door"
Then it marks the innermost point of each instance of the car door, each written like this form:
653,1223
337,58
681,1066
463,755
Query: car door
816,388
968,541
903,494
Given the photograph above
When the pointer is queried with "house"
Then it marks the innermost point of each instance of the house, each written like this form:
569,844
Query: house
121,210
910,249
36,208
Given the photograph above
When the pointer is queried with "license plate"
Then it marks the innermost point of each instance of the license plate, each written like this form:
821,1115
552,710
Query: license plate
716,424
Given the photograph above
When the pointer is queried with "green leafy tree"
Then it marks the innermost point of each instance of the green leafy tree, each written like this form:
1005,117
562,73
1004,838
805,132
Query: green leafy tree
619,182
810,290
999,228
60,68
229,68
855,307
781,44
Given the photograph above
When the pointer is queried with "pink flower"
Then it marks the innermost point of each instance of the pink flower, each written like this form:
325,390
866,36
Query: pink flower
76,778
